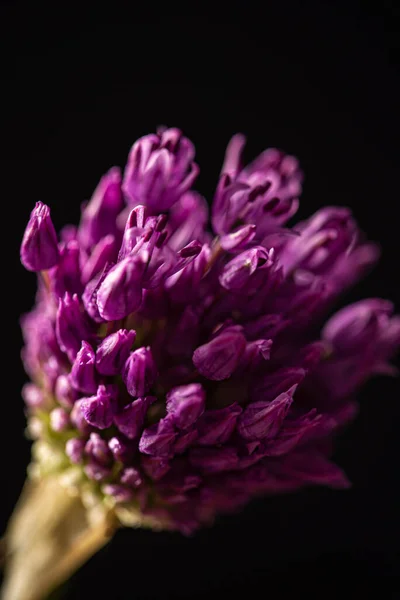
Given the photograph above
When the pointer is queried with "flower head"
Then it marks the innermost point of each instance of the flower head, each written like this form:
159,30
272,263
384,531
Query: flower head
185,370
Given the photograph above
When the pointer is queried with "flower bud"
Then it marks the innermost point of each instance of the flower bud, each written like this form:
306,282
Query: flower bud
83,374
130,420
238,238
219,358
59,419
71,328
33,396
74,449
272,385
185,439
139,372
158,439
120,293
105,252
96,471
133,231
89,296
77,418
66,276
187,220
263,193
98,450
131,477
120,449
100,214
64,392
155,466
114,351
264,419
98,410
39,249
120,493
160,169
358,325
255,354
216,426
186,403
237,272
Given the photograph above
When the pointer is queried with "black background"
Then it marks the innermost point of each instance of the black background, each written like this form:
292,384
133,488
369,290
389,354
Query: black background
319,80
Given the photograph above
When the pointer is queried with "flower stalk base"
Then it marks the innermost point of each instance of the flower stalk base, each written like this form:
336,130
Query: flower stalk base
50,535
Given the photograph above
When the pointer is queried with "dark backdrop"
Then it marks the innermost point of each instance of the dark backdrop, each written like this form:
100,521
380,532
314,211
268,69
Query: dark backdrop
319,80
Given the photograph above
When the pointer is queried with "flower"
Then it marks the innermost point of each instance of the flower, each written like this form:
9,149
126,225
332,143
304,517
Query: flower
139,372
185,370
264,193
39,249
113,351
160,169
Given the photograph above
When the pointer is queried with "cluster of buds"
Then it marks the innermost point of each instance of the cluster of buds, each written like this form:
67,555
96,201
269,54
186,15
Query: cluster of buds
180,370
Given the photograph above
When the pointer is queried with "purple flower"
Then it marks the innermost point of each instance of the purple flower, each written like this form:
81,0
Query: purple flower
71,327
239,238
89,296
39,249
66,276
120,293
158,439
100,214
83,375
185,439
186,403
74,449
97,472
224,326
134,231
236,273
216,426
264,419
130,420
120,493
160,170
113,351
65,393
33,396
329,245
187,220
265,193
78,419
139,372
97,449
98,410
131,477
219,358
363,326
155,466
121,449
59,419
255,354
103,253
362,338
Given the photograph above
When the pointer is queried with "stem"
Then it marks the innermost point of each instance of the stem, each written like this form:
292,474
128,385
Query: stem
215,254
46,280
50,535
